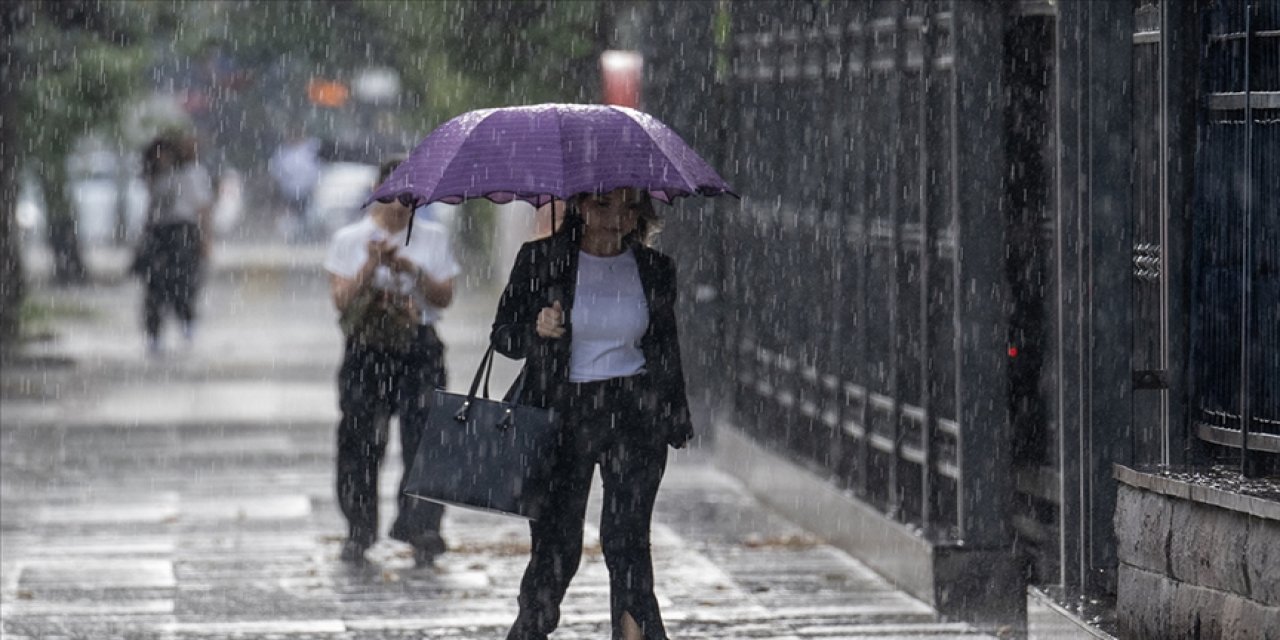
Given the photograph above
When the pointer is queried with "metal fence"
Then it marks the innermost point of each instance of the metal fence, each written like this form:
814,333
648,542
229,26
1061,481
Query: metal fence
1236,321
855,336
971,270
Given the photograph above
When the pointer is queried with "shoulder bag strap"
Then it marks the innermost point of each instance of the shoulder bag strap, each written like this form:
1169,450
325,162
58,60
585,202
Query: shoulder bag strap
483,371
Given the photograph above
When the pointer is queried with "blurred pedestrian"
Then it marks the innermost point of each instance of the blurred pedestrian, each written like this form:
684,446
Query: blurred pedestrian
295,166
389,287
178,234
591,309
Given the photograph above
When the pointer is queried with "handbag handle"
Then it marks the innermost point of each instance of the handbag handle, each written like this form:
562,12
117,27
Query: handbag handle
485,371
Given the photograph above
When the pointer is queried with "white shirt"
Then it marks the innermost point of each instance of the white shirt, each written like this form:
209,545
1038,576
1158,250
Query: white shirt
180,194
610,316
428,249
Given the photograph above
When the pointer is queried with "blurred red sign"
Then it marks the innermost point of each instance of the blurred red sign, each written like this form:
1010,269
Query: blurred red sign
622,75
327,93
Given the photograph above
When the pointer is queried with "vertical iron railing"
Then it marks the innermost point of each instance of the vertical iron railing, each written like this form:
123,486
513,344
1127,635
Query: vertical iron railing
861,298
1028,66
1237,282
1246,259
980,287
862,287
1151,219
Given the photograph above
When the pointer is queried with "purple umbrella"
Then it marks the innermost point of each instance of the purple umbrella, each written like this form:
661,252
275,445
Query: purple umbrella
540,152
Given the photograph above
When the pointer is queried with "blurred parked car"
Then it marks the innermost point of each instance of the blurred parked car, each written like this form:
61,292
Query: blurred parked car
96,179
94,189
29,210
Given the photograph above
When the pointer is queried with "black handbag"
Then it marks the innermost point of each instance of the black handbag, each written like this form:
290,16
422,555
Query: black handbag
490,455
380,320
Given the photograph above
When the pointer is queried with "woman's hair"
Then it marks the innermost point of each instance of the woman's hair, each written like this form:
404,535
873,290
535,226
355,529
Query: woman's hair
388,165
159,155
185,144
167,151
648,223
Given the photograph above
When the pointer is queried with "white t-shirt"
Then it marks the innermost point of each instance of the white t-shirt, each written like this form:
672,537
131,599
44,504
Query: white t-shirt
610,316
180,194
428,249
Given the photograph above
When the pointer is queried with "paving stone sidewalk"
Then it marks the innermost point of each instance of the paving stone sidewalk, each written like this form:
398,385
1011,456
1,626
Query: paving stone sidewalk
190,496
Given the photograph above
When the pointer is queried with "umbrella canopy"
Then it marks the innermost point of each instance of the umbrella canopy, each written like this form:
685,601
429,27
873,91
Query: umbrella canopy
550,151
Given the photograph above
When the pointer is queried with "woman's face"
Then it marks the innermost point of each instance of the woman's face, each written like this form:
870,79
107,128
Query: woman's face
611,216
393,216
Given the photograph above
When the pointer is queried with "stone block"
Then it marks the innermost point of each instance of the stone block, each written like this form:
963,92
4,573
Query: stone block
1262,561
1143,599
1244,619
1207,547
1142,522
1196,612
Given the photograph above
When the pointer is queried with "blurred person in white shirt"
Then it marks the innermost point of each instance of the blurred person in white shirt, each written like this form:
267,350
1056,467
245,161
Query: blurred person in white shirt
389,280
295,166
178,235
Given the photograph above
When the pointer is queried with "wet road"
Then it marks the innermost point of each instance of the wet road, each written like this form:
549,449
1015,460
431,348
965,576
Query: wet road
190,496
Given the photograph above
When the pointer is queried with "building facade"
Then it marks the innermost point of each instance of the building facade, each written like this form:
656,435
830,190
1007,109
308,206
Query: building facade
985,253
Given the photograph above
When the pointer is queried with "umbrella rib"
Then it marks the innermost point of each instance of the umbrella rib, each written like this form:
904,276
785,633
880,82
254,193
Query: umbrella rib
444,167
690,185
560,181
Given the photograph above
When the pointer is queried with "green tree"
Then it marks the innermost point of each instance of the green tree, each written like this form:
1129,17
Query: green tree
71,65
453,55
507,52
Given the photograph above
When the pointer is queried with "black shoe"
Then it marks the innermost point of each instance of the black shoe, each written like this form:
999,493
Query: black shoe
353,552
426,547
423,557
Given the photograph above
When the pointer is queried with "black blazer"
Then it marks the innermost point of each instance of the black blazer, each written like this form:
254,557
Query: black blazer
546,270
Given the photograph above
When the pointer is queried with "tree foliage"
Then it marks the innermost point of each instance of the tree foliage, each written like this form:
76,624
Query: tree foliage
453,55
72,64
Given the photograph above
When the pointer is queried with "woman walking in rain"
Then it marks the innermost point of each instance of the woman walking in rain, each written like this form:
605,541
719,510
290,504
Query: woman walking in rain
389,287
592,310
178,234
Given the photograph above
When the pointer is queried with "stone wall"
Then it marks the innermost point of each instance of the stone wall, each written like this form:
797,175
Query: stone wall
1195,562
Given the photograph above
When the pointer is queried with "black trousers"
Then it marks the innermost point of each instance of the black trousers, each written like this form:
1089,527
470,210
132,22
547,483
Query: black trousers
374,385
170,265
601,426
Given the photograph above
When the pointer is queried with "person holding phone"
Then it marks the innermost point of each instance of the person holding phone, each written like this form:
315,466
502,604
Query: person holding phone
389,287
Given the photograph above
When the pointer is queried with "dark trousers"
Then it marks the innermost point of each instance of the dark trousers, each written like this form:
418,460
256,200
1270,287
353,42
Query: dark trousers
601,426
374,385
170,265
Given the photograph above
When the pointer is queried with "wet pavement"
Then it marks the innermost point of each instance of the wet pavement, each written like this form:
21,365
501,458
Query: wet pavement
190,496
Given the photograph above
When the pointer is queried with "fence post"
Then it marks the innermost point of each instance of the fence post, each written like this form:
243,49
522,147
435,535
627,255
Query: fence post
1179,42
1068,286
982,293
1249,468
1094,310
1110,227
